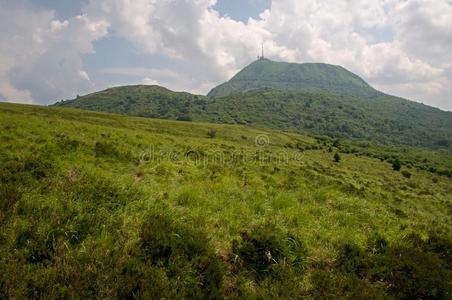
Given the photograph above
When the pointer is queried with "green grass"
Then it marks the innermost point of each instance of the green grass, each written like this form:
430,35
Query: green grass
104,206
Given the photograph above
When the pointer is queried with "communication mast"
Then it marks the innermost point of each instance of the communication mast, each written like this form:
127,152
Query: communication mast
261,57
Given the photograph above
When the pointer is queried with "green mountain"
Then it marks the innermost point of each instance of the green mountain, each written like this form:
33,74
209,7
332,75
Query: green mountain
265,73
104,206
140,100
311,98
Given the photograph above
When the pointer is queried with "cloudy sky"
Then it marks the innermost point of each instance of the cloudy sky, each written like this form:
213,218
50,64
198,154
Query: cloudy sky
55,49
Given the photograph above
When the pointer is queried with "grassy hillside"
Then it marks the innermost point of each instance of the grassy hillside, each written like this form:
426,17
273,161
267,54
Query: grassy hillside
140,100
313,77
97,205
386,119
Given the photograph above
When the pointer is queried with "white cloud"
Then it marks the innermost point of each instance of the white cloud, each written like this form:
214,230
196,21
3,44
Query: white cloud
401,47
332,31
150,81
41,56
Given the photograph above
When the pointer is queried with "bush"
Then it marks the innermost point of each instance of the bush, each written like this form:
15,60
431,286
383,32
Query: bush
336,143
265,247
189,262
408,271
185,118
406,174
38,166
10,194
65,143
105,149
396,165
212,133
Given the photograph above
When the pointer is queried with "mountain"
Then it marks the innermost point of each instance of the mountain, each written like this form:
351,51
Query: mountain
315,98
265,73
140,100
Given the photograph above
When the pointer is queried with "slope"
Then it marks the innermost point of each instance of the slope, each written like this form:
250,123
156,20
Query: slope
98,205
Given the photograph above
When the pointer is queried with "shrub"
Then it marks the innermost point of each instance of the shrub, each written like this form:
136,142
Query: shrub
185,254
10,194
406,174
185,118
265,246
414,274
336,143
36,247
66,143
38,166
212,133
105,149
409,271
396,165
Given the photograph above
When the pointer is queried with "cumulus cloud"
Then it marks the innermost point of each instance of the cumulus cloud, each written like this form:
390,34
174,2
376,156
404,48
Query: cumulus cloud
40,56
400,47
210,47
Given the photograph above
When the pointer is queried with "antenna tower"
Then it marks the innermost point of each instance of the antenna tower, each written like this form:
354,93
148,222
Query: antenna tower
262,57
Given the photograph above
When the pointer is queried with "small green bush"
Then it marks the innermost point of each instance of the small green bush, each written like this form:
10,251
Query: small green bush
66,143
185,118
396,165
38,166
336,143
406,174
186,255
212,133
9,195
105,149
409,271
266,246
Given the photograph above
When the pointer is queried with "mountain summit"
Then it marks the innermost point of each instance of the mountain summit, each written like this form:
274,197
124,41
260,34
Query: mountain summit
265,73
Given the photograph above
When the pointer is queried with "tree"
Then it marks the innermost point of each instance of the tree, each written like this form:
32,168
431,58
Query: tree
337,157
396,165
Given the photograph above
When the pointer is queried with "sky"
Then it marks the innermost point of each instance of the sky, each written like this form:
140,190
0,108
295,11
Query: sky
52,50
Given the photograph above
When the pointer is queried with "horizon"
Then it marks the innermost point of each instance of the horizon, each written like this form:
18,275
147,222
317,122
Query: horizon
193,47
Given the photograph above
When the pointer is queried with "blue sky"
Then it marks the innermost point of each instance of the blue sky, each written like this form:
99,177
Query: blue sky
55,49
239,10
242,10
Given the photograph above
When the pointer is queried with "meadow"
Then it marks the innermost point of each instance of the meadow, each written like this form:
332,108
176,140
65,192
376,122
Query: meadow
97,205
